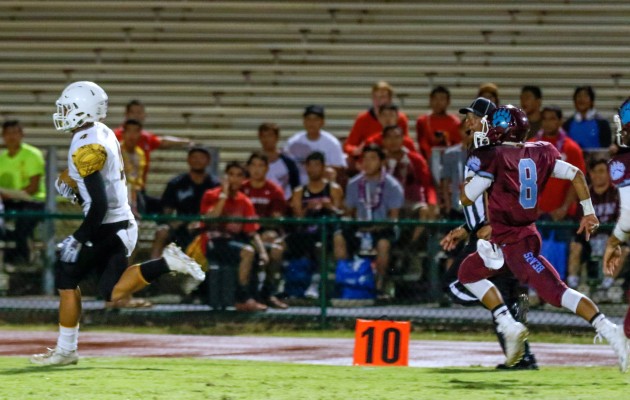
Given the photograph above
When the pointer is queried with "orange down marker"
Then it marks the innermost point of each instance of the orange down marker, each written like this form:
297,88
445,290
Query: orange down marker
384,343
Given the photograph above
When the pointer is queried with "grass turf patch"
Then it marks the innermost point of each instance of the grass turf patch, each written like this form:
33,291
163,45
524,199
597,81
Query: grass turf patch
187,378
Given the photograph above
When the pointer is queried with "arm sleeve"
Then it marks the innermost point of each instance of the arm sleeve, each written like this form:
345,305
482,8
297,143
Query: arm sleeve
476,187
98,208
564,170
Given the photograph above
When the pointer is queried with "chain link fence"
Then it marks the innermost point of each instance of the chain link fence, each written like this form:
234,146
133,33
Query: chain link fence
323,269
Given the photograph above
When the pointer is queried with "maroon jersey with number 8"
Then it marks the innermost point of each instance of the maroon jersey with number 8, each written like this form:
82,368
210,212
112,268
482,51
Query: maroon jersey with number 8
519,173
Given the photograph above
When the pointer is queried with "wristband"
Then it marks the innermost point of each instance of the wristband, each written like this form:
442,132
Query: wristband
619,234
587,206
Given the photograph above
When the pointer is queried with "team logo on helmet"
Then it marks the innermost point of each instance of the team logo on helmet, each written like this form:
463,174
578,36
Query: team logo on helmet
624,112
501,118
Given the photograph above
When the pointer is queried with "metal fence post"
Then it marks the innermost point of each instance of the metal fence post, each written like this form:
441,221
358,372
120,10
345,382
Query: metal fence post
324,274
48,274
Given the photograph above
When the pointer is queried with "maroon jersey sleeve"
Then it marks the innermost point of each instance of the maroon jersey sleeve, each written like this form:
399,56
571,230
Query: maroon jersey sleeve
482,161
619,169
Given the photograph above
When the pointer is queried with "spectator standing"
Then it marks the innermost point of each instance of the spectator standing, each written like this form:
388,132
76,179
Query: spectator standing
439,127
314,138
412,172
586,126
489,91
182,197
531,102
134,162
371,196
149,142
235,242
269,202
283,170
367,122
22,170
388,116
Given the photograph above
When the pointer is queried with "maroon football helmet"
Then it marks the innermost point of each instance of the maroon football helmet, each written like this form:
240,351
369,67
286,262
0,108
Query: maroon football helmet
505,124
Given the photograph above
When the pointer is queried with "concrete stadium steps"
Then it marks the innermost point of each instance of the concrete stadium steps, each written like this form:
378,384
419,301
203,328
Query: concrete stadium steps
213,71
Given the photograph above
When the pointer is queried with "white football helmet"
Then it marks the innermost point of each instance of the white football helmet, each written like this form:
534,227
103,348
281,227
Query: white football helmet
80,103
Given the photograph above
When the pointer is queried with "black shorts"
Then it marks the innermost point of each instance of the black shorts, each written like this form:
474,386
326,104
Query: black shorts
353,237
107,257
227,251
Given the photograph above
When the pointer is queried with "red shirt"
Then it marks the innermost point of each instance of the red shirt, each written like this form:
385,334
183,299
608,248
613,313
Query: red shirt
427,125
237,206
366,125
148,142
377,138
267,200
553,195
412,172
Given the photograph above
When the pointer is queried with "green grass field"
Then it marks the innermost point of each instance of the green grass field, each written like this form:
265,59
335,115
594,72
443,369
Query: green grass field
185,378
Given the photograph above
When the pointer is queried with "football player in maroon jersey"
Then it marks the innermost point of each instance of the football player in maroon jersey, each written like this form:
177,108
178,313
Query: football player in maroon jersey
513,173
619,168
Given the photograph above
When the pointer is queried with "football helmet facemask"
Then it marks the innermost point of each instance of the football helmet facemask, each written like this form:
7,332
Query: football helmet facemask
80,103
622,122
505,124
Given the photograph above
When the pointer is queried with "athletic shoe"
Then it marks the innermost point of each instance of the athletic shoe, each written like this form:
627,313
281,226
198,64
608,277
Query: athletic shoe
617,339
55,357
178,261
514,335
312,292
527,363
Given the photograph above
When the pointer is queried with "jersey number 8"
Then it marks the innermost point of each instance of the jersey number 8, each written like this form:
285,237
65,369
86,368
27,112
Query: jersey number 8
527,177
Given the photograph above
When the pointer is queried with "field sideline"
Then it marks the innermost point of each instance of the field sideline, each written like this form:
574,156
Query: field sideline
152,366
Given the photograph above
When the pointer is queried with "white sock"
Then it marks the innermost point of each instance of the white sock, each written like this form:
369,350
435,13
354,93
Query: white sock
573,281
68,339
599,321
502,316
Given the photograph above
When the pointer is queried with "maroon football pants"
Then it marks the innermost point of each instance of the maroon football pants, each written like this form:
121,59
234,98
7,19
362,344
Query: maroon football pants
524,260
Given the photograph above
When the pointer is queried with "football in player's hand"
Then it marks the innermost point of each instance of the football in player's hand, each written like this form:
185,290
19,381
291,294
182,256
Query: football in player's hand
64,177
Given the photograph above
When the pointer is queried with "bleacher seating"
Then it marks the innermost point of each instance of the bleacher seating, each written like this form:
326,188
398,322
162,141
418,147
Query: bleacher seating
213,71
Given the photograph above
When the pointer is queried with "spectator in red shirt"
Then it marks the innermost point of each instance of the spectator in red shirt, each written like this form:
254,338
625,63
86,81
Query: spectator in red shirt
148,140
558,198
388,116
438,128
235,242
412,172
489,91
367,122
269,202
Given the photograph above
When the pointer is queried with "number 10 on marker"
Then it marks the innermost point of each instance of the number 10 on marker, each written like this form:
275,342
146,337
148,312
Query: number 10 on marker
381,343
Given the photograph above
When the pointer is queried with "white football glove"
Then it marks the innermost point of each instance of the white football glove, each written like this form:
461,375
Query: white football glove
69,249
65,190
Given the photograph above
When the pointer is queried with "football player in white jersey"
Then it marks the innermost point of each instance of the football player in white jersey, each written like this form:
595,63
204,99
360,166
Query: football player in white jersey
108,234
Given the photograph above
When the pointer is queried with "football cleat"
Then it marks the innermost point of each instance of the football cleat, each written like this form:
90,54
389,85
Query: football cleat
55,357
514,335
615,336
178,261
